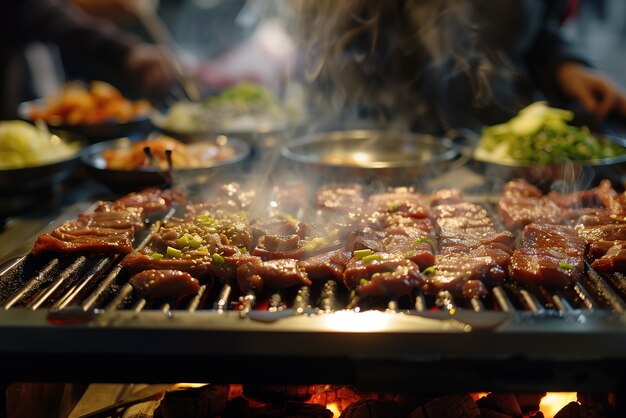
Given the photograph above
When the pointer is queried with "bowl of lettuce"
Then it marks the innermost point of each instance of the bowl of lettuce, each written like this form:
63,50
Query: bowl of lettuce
541,145
31,156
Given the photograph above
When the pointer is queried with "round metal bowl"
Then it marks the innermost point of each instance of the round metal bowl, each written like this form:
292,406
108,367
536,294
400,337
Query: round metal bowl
574,173
367,155
125,180
26,179
94,132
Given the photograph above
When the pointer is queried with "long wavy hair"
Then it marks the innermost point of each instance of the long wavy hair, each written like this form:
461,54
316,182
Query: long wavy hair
384,51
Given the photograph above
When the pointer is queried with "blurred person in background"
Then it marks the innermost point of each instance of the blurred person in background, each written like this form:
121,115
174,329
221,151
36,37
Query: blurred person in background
447,63
58,22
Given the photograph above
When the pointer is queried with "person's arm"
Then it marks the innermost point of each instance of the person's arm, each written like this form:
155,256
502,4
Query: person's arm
562,72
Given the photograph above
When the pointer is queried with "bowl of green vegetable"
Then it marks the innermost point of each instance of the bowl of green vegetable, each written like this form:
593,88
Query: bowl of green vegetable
541,146
31,157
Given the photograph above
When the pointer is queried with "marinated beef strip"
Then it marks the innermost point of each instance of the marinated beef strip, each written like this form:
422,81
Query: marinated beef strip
170,284
271,274
153,200
108,229
382,275
522,203
613,260
203,246
471,250
548,255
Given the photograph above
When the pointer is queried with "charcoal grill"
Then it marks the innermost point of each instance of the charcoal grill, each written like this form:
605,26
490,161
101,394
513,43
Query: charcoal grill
75,318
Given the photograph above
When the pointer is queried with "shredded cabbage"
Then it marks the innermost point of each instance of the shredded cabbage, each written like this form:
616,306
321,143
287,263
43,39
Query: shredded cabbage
23,145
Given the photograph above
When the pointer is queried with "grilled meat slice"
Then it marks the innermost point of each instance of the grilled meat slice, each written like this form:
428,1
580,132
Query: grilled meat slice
170,284
365,238
518,211
614,260
340,198
153,199
274,247
109,229
417,247
401,281
446,197
358,269
548,255
520,187
401,201
606,232
273,274
326,265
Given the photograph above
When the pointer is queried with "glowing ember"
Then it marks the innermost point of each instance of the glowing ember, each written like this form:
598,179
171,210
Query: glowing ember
332,407
553,402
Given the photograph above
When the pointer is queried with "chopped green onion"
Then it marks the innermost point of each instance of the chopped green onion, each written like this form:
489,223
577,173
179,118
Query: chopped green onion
243,250
314,244
203,250
173,252
196,241
218,259
429,271
370,258
363,282
362,253
393,206
156,256
566,266
203,218
422,240
183,241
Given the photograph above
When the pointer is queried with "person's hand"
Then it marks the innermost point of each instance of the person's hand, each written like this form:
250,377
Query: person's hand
596,93
148,64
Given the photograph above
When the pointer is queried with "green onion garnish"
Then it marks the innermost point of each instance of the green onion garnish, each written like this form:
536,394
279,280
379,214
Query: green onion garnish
363,282
183,241
314,244
173,252
422,240
393,206
362,253
566,266
243,250
203,218
429,271
218,259
370,258
203,250
196,241
156,256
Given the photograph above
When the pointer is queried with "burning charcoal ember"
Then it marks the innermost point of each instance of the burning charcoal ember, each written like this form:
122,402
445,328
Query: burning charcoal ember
326,265
272,274
279,393
153,200
490,413
449,406
340,198
407,402
274,247
202,402
107,230
378,271
446,197
548,255
400,202
529,402
571,410
372,409
506,403
595,405
538,415
171,284
237,408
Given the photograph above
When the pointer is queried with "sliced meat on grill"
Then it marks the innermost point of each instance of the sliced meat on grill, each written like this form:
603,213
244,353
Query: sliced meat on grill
474,288
228,198
326,265
520,187
614,260
446,197
365,239
468,240
575,200
548,255
278,226
417,248
153,199
109,229
170,284
359,269
274,247
272,274
402,202
401,281
453,271
607,232
518,211
340,198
